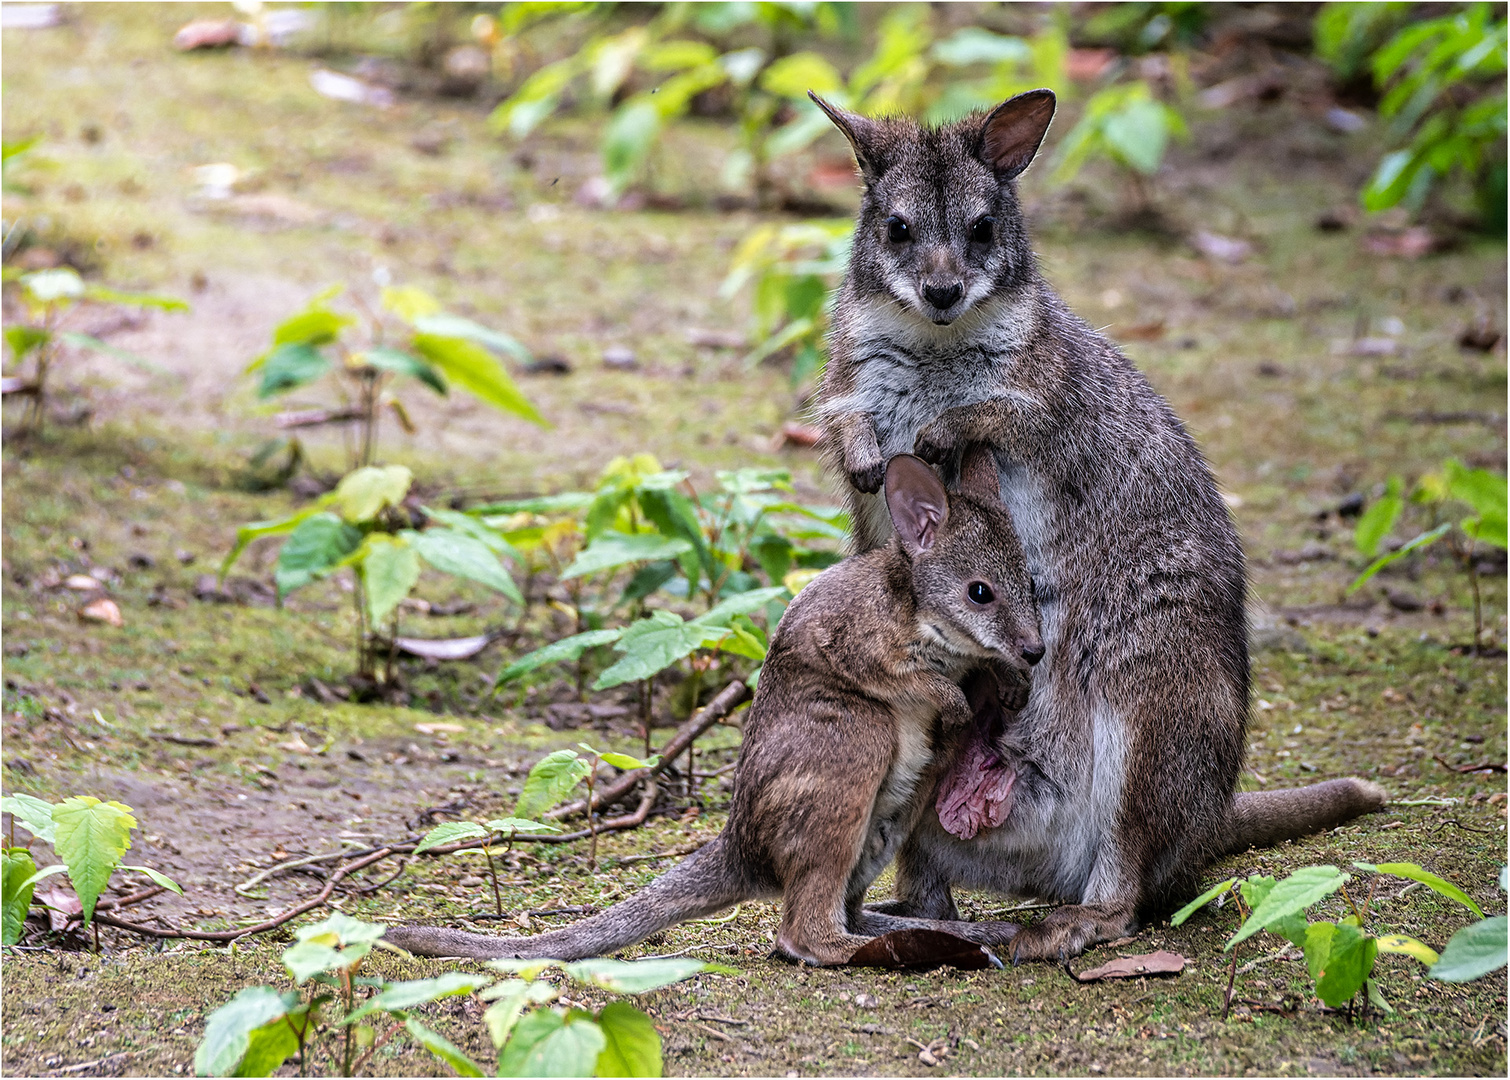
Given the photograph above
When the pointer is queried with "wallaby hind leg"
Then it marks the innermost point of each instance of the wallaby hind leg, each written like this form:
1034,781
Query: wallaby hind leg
922,883
812,919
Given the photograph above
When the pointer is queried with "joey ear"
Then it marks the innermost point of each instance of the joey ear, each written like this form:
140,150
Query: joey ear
863,135
978,477
917,501
1014,131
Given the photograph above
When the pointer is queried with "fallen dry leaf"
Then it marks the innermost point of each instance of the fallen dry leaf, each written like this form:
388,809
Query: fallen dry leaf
1412,243
922,950
102,609
62,904
297,745
82,583
1221,248
795,434
443,648
207,34
1130,967
344,88
436,727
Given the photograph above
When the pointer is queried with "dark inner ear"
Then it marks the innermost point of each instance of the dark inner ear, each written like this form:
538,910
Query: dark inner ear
861,134
1014,131
918,503
978,477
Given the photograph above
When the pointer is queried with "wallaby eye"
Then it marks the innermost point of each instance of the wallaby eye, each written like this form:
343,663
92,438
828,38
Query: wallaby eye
897,231
983,230
979,593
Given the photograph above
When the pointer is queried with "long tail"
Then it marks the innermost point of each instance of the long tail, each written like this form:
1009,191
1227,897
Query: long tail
1264,818
703,883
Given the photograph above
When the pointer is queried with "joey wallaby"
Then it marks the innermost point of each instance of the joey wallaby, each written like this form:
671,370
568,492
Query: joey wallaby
861,680
1126,756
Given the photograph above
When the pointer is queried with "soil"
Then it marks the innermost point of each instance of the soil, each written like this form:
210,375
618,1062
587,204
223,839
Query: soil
205,712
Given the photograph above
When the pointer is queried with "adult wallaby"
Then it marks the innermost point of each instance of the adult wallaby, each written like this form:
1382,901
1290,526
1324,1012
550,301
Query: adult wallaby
860,684
1128,751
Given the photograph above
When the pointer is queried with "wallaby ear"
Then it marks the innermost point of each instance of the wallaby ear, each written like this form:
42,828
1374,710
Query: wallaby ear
863,135
918,503
1014,131
978,477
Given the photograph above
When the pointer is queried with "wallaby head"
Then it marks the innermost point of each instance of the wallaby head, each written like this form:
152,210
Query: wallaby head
970,579
939,228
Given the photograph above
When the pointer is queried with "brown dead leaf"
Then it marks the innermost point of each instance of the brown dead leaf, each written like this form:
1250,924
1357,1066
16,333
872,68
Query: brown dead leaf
795,434
82,583
1130,967
439,726
1411,243
102,609
62,904
207,34
443,648
297,745
1225,249
923,950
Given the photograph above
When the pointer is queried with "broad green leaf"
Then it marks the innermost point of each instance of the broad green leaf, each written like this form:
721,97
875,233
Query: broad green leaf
741,604
306,959
1474,951
406,995
793,76
565,650
158,877
314,548
390,569
1201,901
653,644
314,325
525,969
640,976
341,929
151,300
624,761
48,286
23,339
550,1042
364,493
633,1046
270,1045
974,45
1343,958
45,872
613,549
446,325
290,365
442,1048
16,869
1408,946
1382,561
478,372
627,138
94,344
258,529
744,639
1437,884
456,553
567,502
409,302
1137,135
401,363
548,782
510,998
1292,928
91,838
471,525
228,1029
524,825
32,812
1485,492
1376,522
1291,896
1376,997
448,832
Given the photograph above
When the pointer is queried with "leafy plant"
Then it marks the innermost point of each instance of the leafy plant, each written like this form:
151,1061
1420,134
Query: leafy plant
1340,955
1129,126
1445,493
1346,35
261,1027
90,836
47,295
421,342
1443,81
364,524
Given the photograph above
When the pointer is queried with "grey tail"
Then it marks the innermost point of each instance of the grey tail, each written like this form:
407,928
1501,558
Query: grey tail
1264,818
701,884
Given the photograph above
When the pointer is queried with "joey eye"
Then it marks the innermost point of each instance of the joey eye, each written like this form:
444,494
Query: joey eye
983,230
897,230
979,593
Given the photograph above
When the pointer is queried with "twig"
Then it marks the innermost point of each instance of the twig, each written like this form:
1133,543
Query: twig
369,889
1488,766
1282,954
315,417
127,901
719,1035
83,1065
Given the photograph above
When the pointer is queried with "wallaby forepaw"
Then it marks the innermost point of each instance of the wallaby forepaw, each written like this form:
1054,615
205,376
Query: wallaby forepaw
935,443
868,476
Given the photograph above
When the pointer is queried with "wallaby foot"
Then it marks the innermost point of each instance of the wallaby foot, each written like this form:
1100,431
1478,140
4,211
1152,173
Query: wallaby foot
875,923
1070,930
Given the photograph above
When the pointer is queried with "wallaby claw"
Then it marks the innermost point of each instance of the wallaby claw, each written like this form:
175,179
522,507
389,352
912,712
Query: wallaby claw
868,477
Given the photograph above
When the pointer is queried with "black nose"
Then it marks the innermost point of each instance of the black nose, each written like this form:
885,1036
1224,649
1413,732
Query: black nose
1033,653
943,299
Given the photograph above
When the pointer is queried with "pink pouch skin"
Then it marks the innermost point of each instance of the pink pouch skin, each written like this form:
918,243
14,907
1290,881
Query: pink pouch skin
977,791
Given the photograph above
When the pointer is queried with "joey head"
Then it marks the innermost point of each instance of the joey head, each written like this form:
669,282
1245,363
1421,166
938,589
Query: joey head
860,690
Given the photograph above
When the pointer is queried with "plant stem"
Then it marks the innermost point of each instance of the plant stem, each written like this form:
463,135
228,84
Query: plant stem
377,1045
1231,981
96,928
359,599
592,828
646,690
346,1001
487,853
1478,619
1352,905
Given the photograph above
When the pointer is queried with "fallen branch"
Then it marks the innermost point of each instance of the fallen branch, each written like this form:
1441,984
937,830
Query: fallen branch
127,901
315,417
1488,766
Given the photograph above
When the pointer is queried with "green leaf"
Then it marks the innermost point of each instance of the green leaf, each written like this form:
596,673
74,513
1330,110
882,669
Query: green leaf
1292,928
974,45
1474,951
793,76
567,502
151,300
640,976
23,339
1382,561
633,1046
471,525
630,133
524,825
1137,134
448,832
341,929
401,363
1201,901
406,995
478,372
442,1048
1291,896
548,782
288,366
91,838
313,326
550,1042
741,604
228,1030
509,1000
409,302
47,286
158,877
454,326
45,872
32,812
624,761
87,341
1376,997
16,869
390,569
452,552
525,969
1339,961
258,529
1408,946
653,644
314,548
1376,522
1412,872
614,549
565,650
364,493
745,639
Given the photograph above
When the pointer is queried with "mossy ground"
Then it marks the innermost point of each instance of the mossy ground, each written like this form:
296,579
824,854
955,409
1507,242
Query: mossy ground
1256,357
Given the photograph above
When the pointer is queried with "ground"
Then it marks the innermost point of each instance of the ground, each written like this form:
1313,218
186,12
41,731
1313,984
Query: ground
201,713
